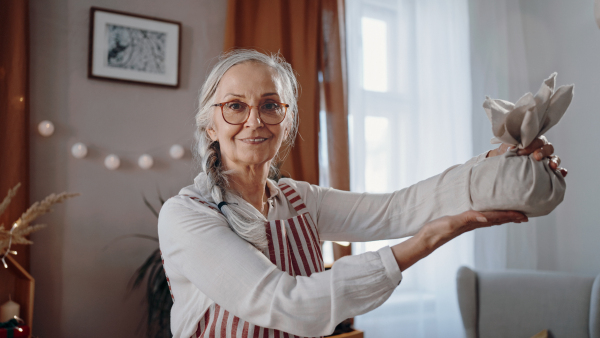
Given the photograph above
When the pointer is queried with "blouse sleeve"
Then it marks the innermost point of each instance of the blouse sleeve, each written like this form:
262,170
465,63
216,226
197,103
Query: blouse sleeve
361,217
507,182
200,246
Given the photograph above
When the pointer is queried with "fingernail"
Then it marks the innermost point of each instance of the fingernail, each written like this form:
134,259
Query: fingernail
482,219
538,156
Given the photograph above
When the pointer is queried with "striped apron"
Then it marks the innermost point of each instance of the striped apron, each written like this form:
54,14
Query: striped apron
294,246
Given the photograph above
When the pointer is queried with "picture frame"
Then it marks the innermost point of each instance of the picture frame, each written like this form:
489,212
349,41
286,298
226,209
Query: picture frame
134,48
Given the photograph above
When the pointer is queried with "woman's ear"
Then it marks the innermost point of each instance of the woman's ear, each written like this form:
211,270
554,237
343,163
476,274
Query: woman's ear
212,134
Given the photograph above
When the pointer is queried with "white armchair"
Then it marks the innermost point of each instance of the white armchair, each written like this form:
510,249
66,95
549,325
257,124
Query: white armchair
521,303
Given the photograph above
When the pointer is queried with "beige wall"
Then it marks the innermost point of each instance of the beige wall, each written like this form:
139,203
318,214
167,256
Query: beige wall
80,286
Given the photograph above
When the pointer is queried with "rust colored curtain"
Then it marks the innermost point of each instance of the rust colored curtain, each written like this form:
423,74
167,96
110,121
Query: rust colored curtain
310,35
14,112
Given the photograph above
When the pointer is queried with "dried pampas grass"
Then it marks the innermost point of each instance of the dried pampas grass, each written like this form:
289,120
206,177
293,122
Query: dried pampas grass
22,227
11,193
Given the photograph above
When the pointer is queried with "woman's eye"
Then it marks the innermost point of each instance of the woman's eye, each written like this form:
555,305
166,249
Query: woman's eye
270,106
235,106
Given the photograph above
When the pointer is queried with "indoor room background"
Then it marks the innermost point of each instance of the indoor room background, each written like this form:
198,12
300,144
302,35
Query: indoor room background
418,73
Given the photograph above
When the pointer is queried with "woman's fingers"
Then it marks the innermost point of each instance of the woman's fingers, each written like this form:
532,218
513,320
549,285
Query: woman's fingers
555,165
554,162
500,150
501,217
539,146
536,144
543,152
470,220
563,171
441,230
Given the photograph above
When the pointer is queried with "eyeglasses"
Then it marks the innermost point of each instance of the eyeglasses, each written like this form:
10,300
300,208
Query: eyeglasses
237,112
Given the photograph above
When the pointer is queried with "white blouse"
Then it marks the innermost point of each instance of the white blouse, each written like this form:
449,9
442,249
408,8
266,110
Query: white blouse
206,262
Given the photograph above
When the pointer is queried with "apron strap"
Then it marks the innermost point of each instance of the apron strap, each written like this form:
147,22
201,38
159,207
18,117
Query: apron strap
294,198
210,205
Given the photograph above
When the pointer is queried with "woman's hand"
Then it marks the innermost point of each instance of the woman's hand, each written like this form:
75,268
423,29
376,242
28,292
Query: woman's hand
440,231
540,147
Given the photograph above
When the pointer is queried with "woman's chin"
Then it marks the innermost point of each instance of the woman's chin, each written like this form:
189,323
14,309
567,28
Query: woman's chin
257,160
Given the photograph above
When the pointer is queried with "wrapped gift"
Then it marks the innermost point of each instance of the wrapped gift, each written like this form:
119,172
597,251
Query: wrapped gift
12,328
521,182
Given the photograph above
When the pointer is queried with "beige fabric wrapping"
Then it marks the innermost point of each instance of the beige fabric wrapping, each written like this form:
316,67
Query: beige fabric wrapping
512,182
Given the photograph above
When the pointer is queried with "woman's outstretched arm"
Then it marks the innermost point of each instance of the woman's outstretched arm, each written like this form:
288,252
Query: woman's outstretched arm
360,217
440,231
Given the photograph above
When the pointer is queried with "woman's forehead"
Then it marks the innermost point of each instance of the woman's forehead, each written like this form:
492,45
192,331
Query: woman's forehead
248,79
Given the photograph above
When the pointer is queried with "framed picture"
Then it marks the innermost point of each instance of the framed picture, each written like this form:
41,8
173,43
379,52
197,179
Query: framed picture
134,48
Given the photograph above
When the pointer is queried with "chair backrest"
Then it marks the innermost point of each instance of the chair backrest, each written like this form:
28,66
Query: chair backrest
521,303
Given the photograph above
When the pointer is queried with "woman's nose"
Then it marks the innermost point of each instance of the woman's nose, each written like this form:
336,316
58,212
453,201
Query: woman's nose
254,118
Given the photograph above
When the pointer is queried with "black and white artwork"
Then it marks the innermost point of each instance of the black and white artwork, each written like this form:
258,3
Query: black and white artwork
133,48
137,49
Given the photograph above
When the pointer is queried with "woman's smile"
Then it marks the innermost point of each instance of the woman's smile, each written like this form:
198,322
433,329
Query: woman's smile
254,140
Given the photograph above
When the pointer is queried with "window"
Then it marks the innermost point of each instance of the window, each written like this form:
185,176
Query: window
409,119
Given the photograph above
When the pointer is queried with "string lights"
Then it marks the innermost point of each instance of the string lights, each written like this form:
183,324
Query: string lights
176,151
112,162
46,128
8,250
79,150
145,161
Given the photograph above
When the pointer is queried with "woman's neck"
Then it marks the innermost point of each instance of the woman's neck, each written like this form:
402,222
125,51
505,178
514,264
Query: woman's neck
251,183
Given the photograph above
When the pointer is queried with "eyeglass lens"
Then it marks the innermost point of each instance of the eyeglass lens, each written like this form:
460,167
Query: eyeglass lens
269,112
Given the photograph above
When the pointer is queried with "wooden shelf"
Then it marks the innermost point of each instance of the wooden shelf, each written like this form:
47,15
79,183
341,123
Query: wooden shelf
353,334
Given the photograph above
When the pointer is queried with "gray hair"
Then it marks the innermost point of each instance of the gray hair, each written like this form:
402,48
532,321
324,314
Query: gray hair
245,224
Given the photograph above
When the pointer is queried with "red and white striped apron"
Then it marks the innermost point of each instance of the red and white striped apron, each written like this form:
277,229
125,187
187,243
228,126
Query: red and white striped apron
294,246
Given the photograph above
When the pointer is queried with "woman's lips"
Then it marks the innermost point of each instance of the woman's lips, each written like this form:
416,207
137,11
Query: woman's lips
254,140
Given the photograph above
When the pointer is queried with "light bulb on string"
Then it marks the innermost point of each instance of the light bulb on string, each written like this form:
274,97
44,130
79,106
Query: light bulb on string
46,128
145,161
176,151
112,162
79,150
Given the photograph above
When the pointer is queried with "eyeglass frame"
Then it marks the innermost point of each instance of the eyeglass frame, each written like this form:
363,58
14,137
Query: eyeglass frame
249,110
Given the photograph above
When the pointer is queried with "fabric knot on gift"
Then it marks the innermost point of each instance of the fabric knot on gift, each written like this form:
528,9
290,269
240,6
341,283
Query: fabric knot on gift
531,116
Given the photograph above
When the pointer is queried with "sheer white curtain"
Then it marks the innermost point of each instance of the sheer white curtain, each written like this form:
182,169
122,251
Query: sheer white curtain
499,70
410,118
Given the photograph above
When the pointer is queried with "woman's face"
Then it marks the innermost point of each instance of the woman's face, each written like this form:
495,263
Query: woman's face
253,142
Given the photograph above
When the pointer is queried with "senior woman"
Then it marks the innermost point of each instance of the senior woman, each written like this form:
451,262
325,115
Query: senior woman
242,251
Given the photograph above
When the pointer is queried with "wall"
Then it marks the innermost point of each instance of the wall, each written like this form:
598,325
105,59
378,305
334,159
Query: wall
81,274
562,36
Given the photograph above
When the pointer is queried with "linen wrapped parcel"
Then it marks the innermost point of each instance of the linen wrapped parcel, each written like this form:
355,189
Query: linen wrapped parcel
532,186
